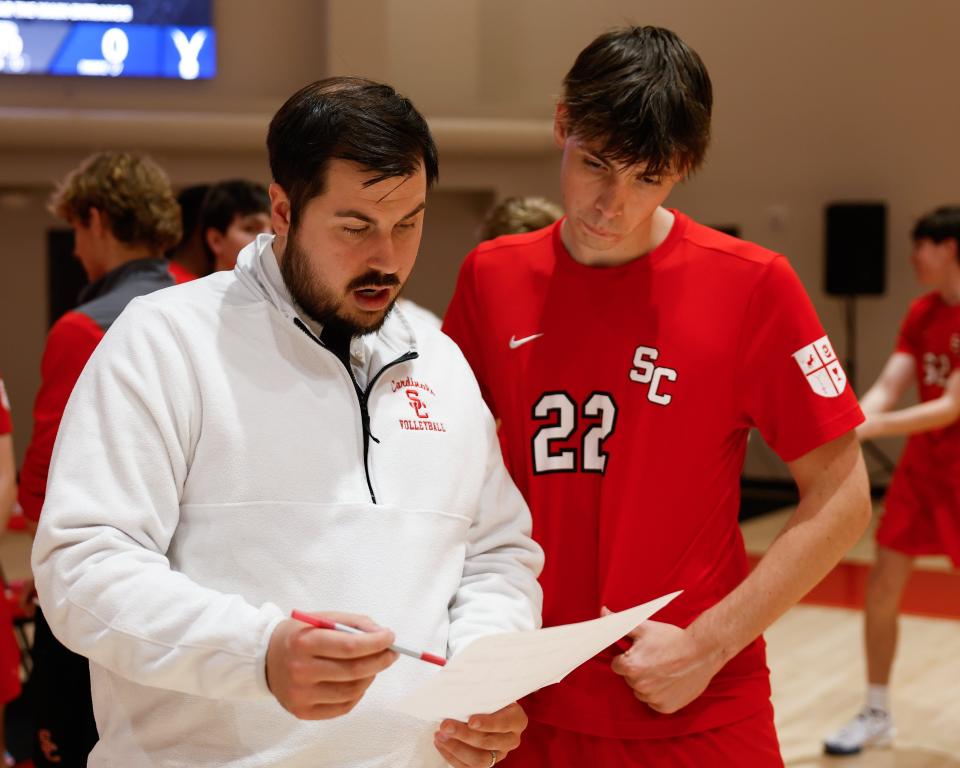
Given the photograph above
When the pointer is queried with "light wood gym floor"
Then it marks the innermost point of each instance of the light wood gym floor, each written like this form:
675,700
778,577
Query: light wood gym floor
816,660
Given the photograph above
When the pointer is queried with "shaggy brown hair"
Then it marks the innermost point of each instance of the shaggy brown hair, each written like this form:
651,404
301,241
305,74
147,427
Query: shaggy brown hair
130,191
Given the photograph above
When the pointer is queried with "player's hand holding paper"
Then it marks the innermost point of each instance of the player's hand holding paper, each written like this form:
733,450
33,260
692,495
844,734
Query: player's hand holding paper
497,670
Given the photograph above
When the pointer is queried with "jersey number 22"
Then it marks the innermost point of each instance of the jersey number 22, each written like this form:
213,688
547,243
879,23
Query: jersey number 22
560,410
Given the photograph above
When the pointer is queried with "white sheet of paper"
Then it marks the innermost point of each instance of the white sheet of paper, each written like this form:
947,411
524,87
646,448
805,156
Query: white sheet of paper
496,670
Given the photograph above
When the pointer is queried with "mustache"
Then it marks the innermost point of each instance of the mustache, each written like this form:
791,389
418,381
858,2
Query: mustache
373,279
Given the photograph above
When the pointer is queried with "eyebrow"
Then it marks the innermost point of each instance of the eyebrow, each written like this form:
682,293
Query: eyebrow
353,214
592,151
600,157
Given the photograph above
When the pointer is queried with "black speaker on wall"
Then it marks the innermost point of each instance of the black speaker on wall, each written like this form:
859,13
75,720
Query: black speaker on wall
856,249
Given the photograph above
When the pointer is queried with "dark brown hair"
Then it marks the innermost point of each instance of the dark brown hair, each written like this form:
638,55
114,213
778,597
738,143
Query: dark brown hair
348,118
641,95
940,224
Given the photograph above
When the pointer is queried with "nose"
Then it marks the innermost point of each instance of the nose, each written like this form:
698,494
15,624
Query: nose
382,255
610,201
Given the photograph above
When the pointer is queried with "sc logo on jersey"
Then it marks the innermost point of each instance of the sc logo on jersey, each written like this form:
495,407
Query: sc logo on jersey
645,372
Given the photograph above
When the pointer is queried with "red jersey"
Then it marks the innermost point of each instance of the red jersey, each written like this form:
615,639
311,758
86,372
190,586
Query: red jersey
9,651
179,273
6,426
931,335
626,395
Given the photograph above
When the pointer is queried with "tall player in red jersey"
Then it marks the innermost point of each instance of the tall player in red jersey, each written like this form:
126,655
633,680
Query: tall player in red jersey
922,509
627,351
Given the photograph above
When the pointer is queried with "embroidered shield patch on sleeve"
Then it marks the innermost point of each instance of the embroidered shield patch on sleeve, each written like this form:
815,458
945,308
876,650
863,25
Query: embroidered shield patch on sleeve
820,366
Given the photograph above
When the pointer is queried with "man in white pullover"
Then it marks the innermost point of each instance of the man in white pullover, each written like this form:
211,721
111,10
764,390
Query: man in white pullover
275,438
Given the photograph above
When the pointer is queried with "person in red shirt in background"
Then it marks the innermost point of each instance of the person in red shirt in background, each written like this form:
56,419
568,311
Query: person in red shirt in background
9,651
234,212
218,221
124,216
628,351
922,507
8,468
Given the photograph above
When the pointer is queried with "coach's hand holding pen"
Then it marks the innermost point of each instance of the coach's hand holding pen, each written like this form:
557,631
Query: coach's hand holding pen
322,675
324,623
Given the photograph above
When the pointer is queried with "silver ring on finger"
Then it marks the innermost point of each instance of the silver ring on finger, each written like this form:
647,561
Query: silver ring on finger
493,758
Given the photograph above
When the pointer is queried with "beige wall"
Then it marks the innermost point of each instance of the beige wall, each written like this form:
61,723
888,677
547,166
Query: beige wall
23,308
816,101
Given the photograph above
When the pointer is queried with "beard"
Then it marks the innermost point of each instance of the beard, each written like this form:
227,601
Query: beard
321,303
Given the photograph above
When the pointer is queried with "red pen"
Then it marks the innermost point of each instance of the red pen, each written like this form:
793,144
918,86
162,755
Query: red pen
325,624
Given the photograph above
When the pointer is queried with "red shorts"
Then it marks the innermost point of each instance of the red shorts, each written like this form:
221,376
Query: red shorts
922,513
751,742
9,655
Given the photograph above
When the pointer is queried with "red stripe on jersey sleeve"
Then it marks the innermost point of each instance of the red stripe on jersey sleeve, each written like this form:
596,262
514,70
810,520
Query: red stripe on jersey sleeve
70,343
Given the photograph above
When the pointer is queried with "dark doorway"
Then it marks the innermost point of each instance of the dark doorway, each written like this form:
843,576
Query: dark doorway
65,275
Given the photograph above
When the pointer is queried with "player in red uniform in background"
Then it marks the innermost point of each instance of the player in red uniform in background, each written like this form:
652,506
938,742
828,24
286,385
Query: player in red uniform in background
234,212
922,509
8,468
9,651
628,350
218,221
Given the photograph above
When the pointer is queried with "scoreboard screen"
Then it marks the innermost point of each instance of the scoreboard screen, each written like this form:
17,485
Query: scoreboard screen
141,38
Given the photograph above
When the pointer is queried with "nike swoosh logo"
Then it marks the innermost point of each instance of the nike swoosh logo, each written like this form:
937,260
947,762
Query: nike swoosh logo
515,342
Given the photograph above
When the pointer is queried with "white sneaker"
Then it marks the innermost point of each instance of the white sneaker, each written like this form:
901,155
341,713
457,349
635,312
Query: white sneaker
871,728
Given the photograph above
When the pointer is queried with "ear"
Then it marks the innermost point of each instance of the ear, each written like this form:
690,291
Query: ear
560,131
213,237
953,246
279,210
